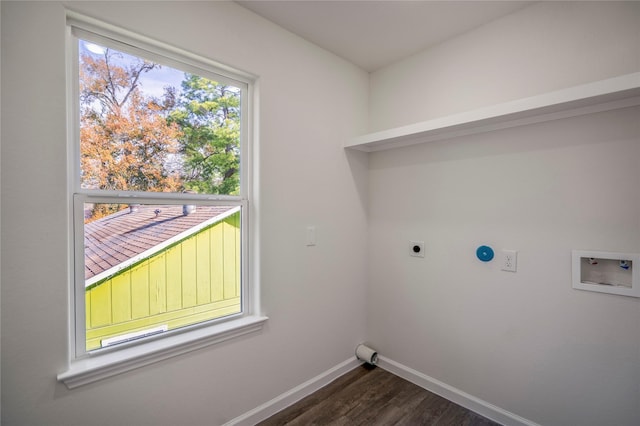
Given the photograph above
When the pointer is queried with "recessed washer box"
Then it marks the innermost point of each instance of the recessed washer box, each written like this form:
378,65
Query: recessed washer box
606,272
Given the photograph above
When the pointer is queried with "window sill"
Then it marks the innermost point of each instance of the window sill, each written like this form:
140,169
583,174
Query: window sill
101,366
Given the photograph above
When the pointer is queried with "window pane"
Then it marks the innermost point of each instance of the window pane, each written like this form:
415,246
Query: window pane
150,127
150,268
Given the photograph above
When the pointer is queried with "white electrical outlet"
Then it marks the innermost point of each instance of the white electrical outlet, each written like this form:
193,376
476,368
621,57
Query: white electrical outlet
509,260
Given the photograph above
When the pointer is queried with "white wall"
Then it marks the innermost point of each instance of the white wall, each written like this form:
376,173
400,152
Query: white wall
525,341
544,47
313,296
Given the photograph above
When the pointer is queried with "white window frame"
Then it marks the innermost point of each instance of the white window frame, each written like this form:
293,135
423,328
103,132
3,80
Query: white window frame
86,367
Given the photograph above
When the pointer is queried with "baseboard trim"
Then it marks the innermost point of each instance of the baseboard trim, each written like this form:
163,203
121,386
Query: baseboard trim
455,395
294,395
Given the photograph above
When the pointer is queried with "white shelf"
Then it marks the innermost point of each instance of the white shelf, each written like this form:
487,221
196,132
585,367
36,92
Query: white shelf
604,95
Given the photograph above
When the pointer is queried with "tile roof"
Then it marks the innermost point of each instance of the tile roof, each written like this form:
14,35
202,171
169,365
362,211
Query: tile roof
117,238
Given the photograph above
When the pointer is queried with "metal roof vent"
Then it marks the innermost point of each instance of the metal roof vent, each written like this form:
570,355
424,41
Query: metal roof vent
188,209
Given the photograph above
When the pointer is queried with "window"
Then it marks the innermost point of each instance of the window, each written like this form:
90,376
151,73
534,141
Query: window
160,192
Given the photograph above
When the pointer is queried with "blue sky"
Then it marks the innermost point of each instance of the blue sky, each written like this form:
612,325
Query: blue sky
153,82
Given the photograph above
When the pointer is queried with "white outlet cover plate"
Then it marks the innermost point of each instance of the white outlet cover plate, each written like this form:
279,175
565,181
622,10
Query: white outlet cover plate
509,260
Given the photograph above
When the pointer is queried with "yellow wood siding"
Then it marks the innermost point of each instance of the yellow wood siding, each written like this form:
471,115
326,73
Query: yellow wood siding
195,280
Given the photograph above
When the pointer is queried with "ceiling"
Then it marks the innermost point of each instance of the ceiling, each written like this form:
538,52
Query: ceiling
374,34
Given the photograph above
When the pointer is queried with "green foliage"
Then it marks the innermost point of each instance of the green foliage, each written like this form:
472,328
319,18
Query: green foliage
208,113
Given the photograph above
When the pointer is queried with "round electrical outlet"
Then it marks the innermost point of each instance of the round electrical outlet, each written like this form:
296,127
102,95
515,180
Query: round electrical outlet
417,248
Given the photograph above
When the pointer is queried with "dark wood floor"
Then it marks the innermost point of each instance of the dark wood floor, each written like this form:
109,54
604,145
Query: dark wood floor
373,396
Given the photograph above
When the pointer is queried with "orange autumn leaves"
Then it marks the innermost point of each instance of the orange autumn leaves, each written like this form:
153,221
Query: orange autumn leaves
126,142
